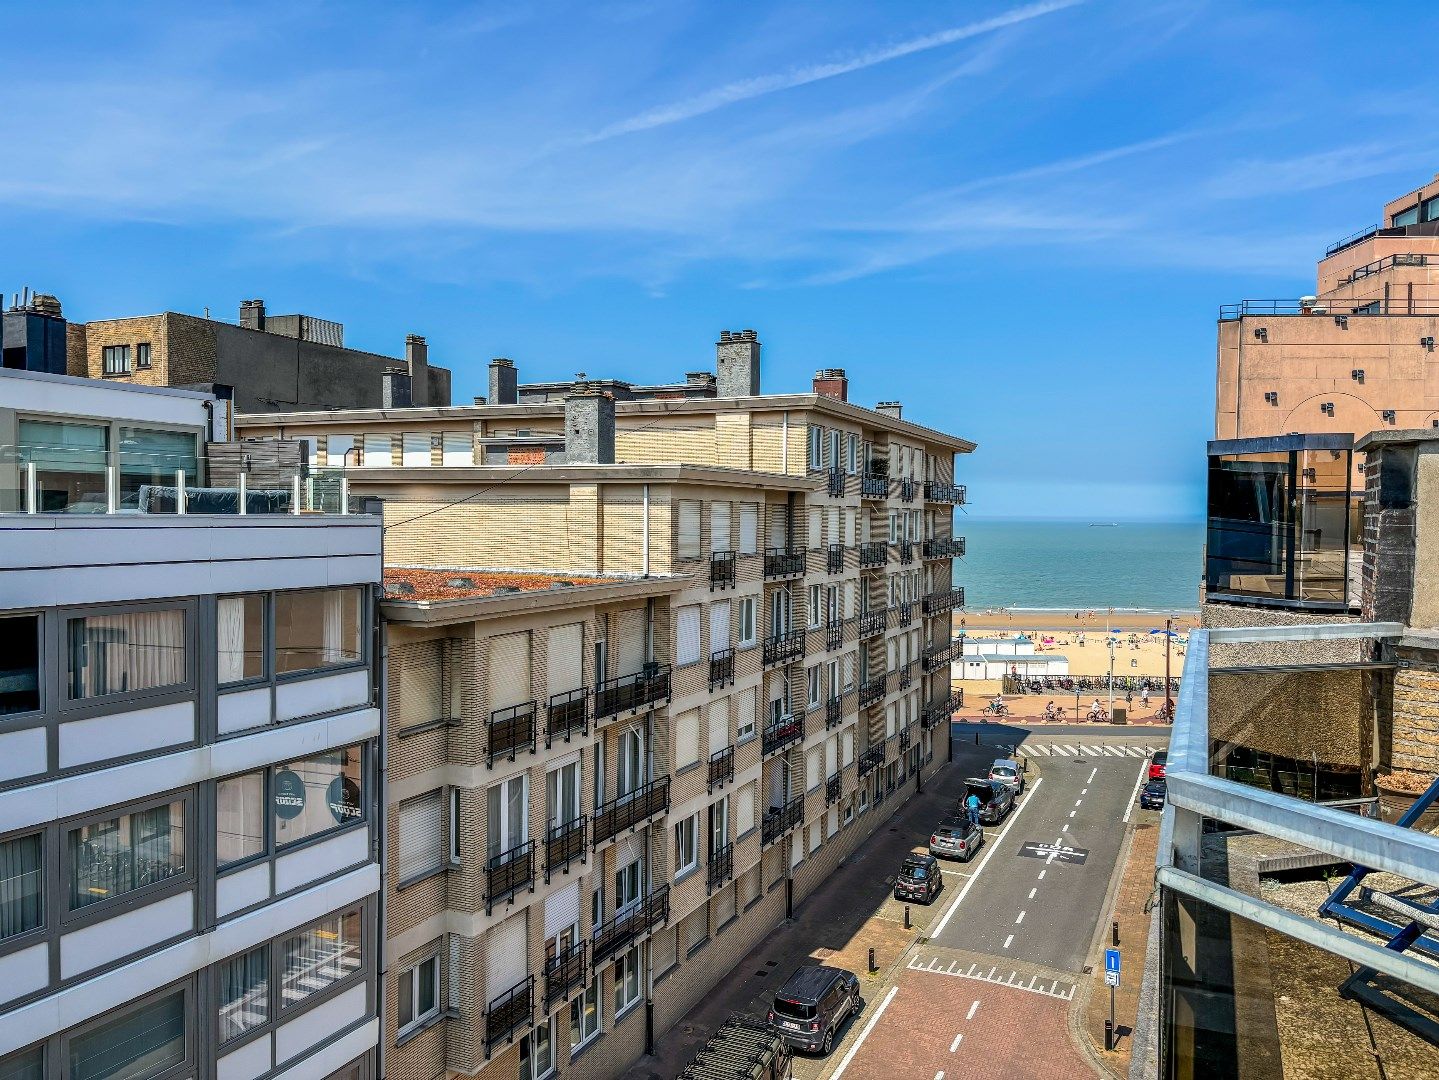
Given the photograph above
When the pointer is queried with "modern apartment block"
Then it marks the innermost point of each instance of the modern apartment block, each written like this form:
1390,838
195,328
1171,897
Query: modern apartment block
655,667
189,751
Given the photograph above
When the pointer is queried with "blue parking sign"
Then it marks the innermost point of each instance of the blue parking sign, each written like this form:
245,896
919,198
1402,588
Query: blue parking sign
1111,961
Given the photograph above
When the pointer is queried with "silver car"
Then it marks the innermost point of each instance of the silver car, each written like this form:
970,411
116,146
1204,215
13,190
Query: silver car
955,838
1007,771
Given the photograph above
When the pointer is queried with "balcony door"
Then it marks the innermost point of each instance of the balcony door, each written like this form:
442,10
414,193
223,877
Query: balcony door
508,821
563,794
781,611
630,771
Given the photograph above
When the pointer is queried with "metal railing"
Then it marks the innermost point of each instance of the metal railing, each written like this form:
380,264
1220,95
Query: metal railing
721,667
609,938
1389,262
722,570
565,971
628,811
873,622
779,562
832,789
721,767
873,554
833,635
778,820
834,558
940,712
874,487
1393,305
904,740
783,732
568,715
509,1013
906,676
904,613
872,691
940,491
944,549
783,647
836,482
833,712
908,490
937,656
871,759
906,551
937,602
509,872
511,730
1356,238
635,691
721,867
564,843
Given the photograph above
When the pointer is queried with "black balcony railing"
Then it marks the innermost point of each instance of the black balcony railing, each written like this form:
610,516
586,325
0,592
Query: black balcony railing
940,491
873,622
871,759
906,676
564,972
721,866
833,635
564,843
721,767
836,482
509,1013
778,562
904,613
611,937
507,872
939,712
778,820
784,647
833,712
938,602
874,487
628,811
904,740
834,558
627,692
511,730
944,549
872,691
721,667
832,789
936,656
908,489
778,735
906,551
722,570
873,554
568,715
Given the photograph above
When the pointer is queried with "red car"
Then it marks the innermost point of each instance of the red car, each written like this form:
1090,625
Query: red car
1157,764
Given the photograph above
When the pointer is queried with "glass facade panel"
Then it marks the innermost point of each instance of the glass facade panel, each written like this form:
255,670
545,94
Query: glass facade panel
70,462
240,637
150,459
317,628
125,652
22,885
320,956
19,664
142,1042
244,992
26,1065
239,818
317,795
113,857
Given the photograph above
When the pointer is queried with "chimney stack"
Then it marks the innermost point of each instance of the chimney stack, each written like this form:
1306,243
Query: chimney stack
831,382
417,360
737,364
504,382
252,314
396,389
889,408
589,428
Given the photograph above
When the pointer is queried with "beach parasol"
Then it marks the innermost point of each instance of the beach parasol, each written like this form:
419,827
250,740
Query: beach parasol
1170,633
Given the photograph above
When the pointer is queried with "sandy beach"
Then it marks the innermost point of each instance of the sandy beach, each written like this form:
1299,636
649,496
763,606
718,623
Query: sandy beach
1015,621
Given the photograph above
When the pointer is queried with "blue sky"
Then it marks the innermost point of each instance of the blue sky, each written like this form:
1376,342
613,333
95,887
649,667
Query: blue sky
1020,219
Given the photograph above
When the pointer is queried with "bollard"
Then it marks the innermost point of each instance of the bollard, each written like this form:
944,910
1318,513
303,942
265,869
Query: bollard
1108,1034
872,968
1115,932
906,916
976,738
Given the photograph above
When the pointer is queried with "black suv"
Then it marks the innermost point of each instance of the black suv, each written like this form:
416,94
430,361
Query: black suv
919,879
811,1006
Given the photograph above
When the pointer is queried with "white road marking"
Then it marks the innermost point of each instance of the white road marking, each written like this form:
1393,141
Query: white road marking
1134,795
1054,988
1033,891
955,1045
993,847
1066,827
1078,802
972,1010
1134,751
939,1075
873,1020
1007,941
1019,918
1073,812
1092,775
1042,873
1035,749
1084,791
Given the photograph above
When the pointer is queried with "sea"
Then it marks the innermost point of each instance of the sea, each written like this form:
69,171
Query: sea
1074,565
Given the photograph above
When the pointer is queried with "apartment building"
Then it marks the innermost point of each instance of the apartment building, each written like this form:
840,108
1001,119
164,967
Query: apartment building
670,661
189,751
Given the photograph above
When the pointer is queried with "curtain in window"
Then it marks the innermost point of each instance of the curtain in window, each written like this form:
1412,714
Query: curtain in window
133,650
239,818
142,1042
22,895
230,637
244,992
334,627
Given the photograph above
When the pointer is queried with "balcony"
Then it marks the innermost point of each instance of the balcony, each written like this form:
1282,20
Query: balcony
509,872
872,486
904,740
509,1014
632,692
937,656
908,489
721,667
722,570
568,715
783,648
783,732
779,820
873,622
834,559
625,927
511,730
906,552
779,563
940,712
836,483
939,491
873,554
1305,307
721,767
564,972
871,759
721,866
944,549
906,676
833,712
832,788
631,810
872,691
904,613
564,843
937,603
833,635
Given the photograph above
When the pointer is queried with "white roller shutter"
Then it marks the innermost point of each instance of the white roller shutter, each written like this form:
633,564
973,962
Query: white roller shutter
814,527
565,659
629,851
457,448
506,955
421,835
745,713
724,906
628,653
718,726
811,770
749,885
687,635
415,449
562,910
849,747
377,452
687,738
509,670
748,528
832,526
689,529
744,808
831,757
719,625
662,949
777,535
833,820
719,526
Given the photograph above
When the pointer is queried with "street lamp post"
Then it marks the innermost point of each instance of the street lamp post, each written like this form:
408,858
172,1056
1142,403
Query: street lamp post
1168,637
1111,678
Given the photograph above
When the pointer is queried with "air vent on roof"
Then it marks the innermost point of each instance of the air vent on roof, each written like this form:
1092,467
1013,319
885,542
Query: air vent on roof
507,589
562,584
399,588
460,582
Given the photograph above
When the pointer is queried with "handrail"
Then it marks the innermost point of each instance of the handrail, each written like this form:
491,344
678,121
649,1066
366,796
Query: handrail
511,730
783,562
632,691
721,866
610,937
942,491
564,971
564,843
1393,305
786,730
722,569
507,1013
778,820
629,810
568,713
721,667
507,872
721,767
784,646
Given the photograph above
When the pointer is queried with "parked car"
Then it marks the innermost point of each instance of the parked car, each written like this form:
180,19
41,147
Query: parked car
995,799
1157,764
811,1006
919,879
1007,771
1152,797
955,838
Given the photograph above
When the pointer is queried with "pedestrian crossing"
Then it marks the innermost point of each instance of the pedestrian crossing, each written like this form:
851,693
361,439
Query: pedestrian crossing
1037,984
1060,750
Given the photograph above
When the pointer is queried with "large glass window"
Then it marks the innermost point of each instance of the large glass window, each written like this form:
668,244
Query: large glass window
585,1016
70,462
240,637
317,628
115,360
19,664
125,652
121,854
149,459
418,993
244,992
627,980
687,852
537,1052
239,818
320,956
22,886
142,1041
25,1065
317,795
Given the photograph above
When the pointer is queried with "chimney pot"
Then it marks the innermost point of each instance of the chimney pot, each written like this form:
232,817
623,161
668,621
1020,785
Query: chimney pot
417,360
889,408
504,382
831,382
589,428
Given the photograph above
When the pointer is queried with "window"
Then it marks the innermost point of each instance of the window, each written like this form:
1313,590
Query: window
719,626
719,825
455,825
585,1016
687,635
418,993
812,685
627,887
121,854
415,449
630,771
239,818
748,528
376,451
627,981
142,355
537,1052
814,605
19,664
126,652
744,808
1429,211
562,793
116,359
244,992
143,1040
746,621
745,721
317,795
816,451
457,448
1406,217
240,637
689,529
719,526
687,739
852,457
22,885
421,840
835,442
24,1065
687,853
508,820
320,956
317,628
339,449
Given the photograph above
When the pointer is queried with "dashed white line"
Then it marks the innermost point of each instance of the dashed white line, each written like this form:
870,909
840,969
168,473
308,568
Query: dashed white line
1092,775
939,1075
955,1045
978,869
1007,942
1066,827
1084,791
1032,892
1079,802
1073,812
972,1010
1019,918
1042,873
873,1020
